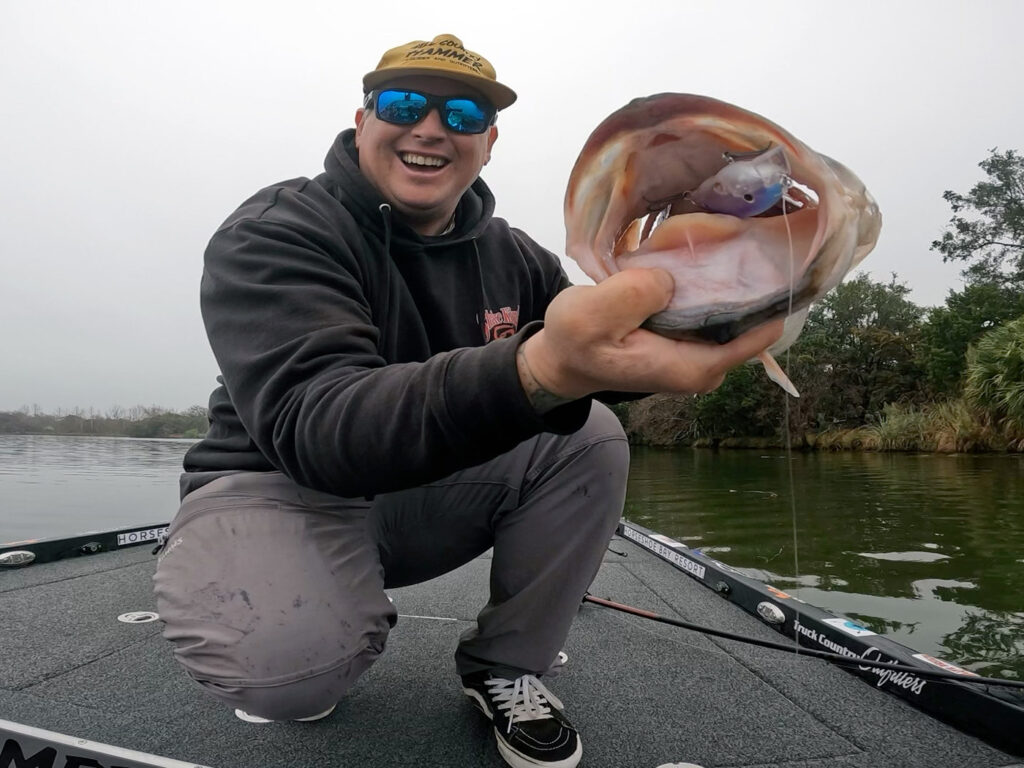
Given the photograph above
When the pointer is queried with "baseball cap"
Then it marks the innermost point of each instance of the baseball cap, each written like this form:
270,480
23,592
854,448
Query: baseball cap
444,56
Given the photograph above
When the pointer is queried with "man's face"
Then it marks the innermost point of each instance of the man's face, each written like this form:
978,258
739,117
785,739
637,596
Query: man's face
422,169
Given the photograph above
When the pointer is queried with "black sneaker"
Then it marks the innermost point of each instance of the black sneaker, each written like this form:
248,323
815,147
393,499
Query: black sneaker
529,724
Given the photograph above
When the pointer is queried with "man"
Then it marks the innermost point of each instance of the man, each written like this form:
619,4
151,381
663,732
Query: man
391,406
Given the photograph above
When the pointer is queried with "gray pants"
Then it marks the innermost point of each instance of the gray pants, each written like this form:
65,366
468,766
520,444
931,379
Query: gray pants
273,594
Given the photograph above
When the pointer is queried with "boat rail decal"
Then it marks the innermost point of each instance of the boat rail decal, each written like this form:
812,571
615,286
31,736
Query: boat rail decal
658,547
141,537
992,712
25,745
16,553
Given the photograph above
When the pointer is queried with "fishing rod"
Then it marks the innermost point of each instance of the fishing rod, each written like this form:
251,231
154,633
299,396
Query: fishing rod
798,650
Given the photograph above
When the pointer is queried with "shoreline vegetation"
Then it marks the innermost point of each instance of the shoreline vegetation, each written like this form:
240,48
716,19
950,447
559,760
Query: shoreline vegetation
948,427
659,421
138,421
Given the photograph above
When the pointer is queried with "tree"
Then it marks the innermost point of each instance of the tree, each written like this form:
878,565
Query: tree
747,404
987,228
858,352
950,330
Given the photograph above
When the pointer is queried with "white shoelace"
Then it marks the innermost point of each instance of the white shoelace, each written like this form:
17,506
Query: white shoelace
524,698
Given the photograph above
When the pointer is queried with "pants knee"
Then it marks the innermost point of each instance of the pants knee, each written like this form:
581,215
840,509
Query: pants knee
304,697
603,423
276,669
298,689
607,449
585,471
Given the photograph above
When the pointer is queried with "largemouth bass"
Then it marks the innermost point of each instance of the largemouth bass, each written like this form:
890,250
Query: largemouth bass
752,223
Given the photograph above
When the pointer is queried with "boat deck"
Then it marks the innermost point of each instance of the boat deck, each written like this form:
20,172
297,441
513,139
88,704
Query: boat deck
642,694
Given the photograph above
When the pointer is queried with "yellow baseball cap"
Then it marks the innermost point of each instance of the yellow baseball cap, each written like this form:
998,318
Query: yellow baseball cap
444,56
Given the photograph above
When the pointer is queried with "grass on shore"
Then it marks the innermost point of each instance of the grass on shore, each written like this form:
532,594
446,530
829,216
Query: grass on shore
946,427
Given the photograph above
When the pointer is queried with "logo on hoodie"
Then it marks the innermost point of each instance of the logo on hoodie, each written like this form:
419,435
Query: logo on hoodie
500,324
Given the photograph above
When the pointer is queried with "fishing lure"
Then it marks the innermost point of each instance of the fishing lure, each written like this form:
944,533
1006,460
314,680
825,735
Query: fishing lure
745,187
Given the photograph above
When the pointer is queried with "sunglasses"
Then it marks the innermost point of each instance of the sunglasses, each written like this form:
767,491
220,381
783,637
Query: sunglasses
461,114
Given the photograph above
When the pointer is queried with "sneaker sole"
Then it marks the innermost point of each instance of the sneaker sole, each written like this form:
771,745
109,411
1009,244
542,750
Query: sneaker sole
242,715
517,760
511,756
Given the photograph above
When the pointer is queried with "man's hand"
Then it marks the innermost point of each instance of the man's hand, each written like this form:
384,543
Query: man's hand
592,341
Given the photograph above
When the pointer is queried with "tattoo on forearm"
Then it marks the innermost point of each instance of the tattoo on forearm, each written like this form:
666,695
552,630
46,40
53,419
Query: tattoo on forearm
542,399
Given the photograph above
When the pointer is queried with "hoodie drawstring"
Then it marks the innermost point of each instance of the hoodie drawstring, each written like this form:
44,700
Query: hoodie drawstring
481,320
385,214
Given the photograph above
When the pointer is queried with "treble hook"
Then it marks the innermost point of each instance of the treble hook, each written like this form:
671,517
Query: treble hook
734,156
655,206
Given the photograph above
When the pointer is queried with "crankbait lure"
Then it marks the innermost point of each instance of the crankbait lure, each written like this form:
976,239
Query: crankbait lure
747,187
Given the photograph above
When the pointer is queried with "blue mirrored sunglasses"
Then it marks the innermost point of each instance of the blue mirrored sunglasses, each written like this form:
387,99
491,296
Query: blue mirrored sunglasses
462,114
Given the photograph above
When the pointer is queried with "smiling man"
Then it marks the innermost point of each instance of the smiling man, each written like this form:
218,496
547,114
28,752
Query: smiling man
406,383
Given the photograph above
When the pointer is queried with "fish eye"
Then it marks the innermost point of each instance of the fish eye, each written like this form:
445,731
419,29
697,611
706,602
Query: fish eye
748,197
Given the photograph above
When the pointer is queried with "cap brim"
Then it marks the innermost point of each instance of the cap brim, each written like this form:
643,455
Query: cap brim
499,95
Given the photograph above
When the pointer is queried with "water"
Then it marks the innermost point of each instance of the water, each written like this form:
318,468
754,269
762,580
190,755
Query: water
926,549
58,486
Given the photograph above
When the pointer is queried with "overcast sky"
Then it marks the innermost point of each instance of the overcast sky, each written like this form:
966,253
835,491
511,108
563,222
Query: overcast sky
132,129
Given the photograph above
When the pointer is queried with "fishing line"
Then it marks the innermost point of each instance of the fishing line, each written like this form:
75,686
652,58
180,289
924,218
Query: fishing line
786,427
711,648
806,652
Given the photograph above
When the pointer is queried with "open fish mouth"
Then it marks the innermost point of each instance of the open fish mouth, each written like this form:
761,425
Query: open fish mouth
752,224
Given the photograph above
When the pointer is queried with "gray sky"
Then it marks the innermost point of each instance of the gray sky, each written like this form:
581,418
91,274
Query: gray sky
132,129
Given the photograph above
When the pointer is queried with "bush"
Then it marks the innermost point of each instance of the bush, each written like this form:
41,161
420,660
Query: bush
994,384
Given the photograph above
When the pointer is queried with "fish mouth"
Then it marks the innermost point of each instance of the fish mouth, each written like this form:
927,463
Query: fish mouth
628,204
730,274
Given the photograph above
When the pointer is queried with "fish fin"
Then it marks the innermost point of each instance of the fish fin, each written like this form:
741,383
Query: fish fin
791,329
776,374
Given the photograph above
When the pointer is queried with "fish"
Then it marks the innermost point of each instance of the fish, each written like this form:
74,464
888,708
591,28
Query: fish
752,224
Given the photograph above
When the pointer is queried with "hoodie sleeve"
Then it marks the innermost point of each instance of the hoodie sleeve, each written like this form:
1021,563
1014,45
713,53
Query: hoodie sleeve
292,330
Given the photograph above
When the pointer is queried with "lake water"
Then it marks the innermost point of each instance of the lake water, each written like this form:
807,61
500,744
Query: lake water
927,549
57,486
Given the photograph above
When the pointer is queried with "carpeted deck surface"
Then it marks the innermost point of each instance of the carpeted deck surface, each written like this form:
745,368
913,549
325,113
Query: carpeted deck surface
642,694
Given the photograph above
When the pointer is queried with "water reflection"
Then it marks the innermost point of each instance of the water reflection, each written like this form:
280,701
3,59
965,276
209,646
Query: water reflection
907,557
925,548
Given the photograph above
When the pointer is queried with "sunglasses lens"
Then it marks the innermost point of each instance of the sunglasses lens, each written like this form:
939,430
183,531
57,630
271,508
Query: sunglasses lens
401,107
466,116
462,115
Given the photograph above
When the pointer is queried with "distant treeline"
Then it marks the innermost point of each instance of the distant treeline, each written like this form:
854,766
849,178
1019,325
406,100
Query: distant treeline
138,421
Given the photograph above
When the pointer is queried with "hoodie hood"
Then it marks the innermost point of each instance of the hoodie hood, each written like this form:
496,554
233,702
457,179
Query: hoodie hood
347,183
